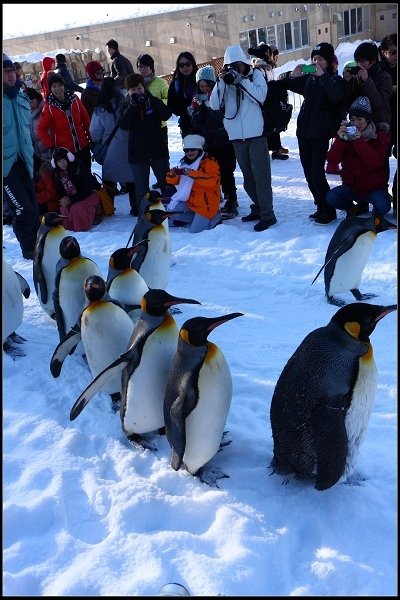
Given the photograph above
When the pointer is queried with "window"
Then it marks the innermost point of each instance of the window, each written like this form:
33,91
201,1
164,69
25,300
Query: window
261,35
355,20
285,36
244,41
252,38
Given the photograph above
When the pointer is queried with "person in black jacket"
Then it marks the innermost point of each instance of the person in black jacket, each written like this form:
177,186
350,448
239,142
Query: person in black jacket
121,66
142,114
209,124
317,123
182,89
62,69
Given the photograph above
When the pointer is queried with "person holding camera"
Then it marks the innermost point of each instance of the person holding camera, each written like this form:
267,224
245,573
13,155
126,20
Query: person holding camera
361,147
317,122
239,94
142,114
209,124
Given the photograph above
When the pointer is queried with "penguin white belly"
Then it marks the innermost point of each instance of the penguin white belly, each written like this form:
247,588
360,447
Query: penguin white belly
146,388
357,417
51,255
205,424
350,266
13,304
157,263
128,287
71,292
105,333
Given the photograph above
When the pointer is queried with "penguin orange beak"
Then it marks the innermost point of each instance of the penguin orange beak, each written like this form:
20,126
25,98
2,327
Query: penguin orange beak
385,311
136,247
217,321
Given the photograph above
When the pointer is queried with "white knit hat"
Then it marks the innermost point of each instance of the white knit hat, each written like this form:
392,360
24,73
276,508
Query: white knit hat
193,141
207,73
235,54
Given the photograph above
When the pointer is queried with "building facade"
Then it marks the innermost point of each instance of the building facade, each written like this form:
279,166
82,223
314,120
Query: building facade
207,30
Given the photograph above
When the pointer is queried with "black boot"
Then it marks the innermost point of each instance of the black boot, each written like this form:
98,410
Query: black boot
229,210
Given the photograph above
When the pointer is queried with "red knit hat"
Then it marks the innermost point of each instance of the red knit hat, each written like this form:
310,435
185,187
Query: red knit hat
92,67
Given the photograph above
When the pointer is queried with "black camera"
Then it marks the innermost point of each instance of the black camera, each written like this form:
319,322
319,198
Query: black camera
353,70
230,77
138,98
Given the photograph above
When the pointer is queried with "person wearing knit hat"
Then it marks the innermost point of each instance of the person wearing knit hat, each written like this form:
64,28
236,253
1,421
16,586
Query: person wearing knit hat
209,123
362,153
317,123
366,51
197,183
62,69
89,96
18,190
158,87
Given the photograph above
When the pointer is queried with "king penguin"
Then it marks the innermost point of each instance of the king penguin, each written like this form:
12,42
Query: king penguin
46,256
198,397
144,366
153,261
124,284
69,294
105,330
348,253
323,398
14,287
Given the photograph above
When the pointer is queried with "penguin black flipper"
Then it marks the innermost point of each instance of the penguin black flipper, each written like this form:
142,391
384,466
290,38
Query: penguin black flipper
39,280
330,440
96,385
176,430
24,285
65,347
57,308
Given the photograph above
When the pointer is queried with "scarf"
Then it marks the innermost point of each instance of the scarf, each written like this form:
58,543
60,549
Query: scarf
69,96
369,132
185,184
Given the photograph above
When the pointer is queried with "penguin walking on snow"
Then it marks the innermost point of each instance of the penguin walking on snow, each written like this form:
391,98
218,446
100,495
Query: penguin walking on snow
46,256
68,294
197,398
105,330
323,398
144,366
153,261
124,284
14,287
348,253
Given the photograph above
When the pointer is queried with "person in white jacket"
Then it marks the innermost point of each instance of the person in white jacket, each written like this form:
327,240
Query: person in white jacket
239,92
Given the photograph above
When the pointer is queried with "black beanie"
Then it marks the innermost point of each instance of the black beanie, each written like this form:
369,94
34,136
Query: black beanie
7,62
366,51
325,50
147,60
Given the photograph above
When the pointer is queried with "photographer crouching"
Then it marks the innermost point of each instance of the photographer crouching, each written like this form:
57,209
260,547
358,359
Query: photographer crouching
239,93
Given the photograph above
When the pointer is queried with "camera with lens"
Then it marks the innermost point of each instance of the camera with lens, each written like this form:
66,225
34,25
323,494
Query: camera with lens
353,70
138,98
231,77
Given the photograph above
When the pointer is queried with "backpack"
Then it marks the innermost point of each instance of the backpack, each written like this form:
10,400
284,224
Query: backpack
276,110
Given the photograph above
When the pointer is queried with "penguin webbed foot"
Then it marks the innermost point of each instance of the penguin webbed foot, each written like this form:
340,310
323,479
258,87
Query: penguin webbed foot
355,479
210,475
17,339
141,443
335,301
224,442
11,350
359,296
161,431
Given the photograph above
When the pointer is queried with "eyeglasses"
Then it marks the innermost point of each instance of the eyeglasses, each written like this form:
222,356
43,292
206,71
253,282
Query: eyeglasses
184,64
234,65
392,52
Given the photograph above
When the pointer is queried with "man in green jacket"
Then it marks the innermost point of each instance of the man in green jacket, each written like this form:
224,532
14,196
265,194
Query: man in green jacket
18,190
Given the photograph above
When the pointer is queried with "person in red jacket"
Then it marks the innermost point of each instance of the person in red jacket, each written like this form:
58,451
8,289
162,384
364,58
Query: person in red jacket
49,64
65,121
362,153
45,189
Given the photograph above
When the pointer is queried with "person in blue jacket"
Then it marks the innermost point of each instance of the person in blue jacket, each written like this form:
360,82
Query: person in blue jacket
18,189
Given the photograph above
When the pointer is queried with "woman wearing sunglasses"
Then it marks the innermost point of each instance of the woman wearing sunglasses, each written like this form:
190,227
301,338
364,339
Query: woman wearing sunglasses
182,89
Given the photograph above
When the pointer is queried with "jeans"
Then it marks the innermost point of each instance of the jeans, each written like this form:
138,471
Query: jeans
342,197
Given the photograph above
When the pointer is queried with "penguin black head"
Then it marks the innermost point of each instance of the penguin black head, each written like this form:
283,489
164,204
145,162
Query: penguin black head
156,216
359,319
156,302
95,287
52,219
195,331
382,224
122,258
69,247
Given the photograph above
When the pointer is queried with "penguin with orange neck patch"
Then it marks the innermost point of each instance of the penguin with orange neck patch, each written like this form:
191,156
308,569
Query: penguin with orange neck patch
323,398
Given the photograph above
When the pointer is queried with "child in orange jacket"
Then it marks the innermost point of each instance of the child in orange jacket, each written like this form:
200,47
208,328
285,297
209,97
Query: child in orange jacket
198,190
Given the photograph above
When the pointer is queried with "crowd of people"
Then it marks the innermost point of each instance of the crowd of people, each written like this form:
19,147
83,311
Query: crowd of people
347,124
